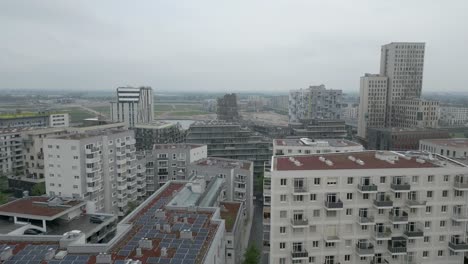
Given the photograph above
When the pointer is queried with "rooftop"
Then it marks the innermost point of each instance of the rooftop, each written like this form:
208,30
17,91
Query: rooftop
448,142
91,133
23,115
406,130
353,160
177,146
315,143
229,212
224,163
40,207
155,125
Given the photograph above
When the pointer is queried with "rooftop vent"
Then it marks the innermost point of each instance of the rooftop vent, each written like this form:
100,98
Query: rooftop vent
360,162
329,162
186,234
145,243
104,258
322,159
351,158
420,161
164,252
61,254
6,253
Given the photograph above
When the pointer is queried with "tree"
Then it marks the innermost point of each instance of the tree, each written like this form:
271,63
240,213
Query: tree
252,255
38,189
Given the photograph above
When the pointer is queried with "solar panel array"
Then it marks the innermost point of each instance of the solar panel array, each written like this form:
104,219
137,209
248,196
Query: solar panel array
186,250
31,254
71,259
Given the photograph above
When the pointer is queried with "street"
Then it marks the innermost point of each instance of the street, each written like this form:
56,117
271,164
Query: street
256,232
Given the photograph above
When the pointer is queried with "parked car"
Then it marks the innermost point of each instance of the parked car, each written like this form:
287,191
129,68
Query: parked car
97,219
33,232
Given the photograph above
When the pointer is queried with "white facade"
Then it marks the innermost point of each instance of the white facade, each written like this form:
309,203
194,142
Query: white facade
99,166
133,106
409,113
303,146
315,102
373,102
386,208
11,151
450,147
59,120
453,116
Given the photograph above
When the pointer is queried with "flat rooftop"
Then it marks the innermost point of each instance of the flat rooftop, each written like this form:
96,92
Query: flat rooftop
448,142
177,146
224,163
229,212
23,115
315,143
155,125
36,207
91,133
342,161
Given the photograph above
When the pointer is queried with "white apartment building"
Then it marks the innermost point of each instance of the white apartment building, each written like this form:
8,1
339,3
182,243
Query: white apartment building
315,102
368,207
11,151
168,162
456,148
409,113
373,102
97,166
301,146
133,106
453,116
59,120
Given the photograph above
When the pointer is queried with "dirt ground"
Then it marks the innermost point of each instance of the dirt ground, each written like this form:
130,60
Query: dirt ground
269,117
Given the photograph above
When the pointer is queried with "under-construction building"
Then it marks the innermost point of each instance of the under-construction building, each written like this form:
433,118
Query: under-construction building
227,108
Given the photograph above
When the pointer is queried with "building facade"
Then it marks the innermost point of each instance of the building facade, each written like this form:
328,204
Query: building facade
455,148
301,146
133,106
453,116
27,120
318,129
372,102
97,166
146,135
11,151
401,138
409,113
388,208
227,109
315,102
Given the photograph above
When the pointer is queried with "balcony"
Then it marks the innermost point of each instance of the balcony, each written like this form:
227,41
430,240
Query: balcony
331,238
460,186
365,249
299,190
299,223
367,188
416,204
383,234
383,203
334,205
416,232
121,161
400,187
459,246
298,255
93,188
460,216
366,220
123,203
396,249
122,187
401,218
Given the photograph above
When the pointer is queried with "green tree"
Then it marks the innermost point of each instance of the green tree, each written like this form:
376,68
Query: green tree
38,189
258,183
252,255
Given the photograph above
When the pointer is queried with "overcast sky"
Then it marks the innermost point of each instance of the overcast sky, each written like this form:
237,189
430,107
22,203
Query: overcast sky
221,45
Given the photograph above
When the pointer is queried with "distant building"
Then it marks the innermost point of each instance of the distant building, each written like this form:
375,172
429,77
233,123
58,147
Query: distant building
28,119
231,212
350,111
295,146
318,129
456,148
97,166
409,113
231,141
11,152
453,116
166,162
279,102
133,106
315,102
373,103
157,132
401,138
227,109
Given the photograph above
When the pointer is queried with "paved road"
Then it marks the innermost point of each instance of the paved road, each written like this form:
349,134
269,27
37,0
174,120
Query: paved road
256,232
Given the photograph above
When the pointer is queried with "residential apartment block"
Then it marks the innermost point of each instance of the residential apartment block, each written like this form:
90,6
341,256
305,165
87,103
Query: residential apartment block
315,102
28,119
401,139
453,116
372,102
11,151
98,166
168,162
318,128
301,146
133,106
146,135
388,207
455,148
410,113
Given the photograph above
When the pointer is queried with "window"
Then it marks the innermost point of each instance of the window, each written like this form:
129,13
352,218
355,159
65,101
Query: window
75,186
298,198
75,157
313,197
442,223
316,213
427,224
428,209
282,230
427,239
441,238
283,214
283,182
311,259
313,228
283,198
415,179
443,208
398,195
349,211
282,245
365,196
52,184
347,258
317,181
350,180
315,244
444,193
282,261
429,194
349,196
382,179
77,177
446,178
425,254
440,253
364,228
430,178
381,211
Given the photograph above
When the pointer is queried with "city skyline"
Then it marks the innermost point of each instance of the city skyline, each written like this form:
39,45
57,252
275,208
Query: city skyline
206,46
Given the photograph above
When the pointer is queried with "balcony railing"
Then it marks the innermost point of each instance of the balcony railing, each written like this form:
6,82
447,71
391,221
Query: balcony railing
299,222
365,250
367,188
336,205
458,246
300,189
400,187
415,203
387,203
460,216
366,220
299,254
400,218
397,250
385,234
460,185
416,232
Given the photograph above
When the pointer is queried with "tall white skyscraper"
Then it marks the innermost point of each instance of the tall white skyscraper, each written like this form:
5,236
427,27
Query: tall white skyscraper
133,106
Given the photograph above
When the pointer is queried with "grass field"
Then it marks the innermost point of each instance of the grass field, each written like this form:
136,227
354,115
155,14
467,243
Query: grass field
177,110
105,110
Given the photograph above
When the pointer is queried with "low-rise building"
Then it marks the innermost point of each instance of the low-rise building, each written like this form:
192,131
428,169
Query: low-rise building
11,151
401,138
231,212
453,116
456,148
29,119
368,207
409,113
318,129
300,146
